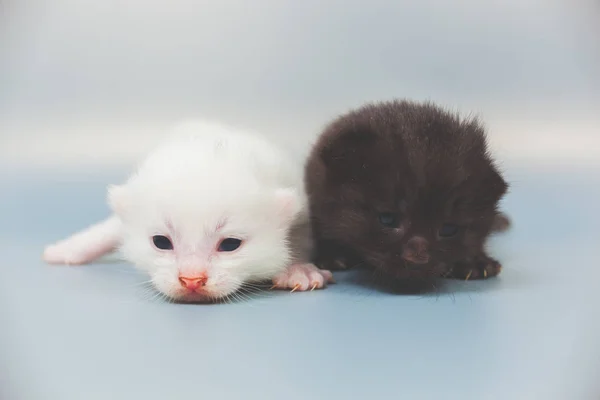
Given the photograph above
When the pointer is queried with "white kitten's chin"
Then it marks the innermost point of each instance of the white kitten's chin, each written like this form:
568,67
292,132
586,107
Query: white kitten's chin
200,296
169,286
193,297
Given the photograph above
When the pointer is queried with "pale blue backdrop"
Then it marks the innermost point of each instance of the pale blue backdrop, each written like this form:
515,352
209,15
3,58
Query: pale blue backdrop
87,87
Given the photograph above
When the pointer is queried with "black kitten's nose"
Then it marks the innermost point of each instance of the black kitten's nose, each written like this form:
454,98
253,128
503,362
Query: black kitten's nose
415,250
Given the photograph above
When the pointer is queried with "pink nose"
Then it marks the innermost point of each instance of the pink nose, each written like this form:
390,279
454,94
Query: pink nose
193,283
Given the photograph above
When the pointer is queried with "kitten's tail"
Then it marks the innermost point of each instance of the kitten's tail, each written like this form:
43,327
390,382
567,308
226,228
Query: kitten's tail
501,223
86,245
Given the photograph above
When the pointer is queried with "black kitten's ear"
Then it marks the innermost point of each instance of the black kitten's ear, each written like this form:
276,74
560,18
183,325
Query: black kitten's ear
345,146
491,187
481,191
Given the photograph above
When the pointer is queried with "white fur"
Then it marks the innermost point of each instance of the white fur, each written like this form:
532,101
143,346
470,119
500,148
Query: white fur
76,249
206,176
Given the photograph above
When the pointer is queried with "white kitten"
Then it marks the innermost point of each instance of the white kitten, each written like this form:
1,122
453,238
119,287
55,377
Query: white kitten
209,210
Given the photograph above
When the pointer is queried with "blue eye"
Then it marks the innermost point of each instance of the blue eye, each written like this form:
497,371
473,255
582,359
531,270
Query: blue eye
229,244
162,242
448,230
388,219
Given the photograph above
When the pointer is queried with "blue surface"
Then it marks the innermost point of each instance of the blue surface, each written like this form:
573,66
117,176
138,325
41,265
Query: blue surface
93,332
74,93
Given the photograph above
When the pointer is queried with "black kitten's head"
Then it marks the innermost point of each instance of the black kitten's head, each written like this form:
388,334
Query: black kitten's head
409,187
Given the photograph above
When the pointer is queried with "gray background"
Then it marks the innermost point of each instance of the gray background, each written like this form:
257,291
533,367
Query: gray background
87,87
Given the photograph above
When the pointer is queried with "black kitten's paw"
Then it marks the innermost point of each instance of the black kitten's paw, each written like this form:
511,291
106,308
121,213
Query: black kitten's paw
481,267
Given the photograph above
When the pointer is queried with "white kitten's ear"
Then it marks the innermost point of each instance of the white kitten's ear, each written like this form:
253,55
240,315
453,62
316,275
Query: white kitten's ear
118,198
288,204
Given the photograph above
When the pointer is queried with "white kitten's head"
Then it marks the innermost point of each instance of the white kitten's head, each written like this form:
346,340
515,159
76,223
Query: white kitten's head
201,233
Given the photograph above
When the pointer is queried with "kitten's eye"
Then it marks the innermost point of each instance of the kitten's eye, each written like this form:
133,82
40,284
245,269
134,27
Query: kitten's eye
388,219
229,244
162,242
448,230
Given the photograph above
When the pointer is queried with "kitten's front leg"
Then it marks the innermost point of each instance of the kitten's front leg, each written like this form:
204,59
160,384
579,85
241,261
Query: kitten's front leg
479,267
87,245
301,277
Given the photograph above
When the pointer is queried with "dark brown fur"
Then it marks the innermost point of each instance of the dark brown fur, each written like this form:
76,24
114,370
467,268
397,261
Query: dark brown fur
422,164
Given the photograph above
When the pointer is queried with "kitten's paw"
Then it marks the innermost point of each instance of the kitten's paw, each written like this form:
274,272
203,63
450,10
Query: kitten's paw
301,277
481,267
66,254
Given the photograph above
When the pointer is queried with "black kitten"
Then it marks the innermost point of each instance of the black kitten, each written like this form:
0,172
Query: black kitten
407,188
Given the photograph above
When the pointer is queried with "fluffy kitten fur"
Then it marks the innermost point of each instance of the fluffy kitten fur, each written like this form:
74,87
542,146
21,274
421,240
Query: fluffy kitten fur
204,184
386,180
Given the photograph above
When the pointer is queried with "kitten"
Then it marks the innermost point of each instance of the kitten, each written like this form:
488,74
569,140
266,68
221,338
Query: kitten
406,188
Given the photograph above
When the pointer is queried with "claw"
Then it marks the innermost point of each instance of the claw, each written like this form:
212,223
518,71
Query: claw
485,273
314,286
295,288
273,287
468,275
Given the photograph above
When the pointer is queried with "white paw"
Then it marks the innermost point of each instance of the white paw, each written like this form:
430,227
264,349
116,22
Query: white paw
65,253
302,277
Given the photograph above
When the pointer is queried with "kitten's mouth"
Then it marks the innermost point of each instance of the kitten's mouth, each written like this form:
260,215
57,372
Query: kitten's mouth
200,296
429,269
194,297
180,295
187,290
417,260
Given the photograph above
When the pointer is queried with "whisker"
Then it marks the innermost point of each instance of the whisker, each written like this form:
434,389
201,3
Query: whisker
148,293
142,284
256,285
236,297
243,298
131,271
150,296
255,295
169,299
257,289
